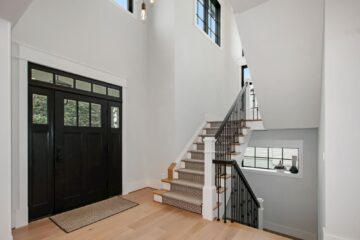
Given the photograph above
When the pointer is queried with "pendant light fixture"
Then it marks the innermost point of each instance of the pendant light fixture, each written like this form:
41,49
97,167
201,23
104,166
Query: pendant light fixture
143,11
152,1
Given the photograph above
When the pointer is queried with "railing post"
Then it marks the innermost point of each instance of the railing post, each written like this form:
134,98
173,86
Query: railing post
209,189
261,214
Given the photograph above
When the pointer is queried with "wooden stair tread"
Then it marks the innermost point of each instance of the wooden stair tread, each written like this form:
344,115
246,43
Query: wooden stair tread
220,190
190,171
217,205
160,191
193,160
166,180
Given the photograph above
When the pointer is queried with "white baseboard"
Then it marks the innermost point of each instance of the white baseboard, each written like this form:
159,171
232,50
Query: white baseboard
298,233
329,236
134,185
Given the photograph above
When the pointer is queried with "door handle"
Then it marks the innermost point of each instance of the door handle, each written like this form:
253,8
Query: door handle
59,154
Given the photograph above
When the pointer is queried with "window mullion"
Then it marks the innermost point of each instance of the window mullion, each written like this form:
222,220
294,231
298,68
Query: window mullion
206,16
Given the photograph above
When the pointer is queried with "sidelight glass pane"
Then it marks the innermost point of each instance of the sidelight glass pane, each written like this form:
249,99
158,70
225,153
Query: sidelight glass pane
112,92
84,114
42,76
115,117
82,85
70,113
64,81
40,109
95,115
99,89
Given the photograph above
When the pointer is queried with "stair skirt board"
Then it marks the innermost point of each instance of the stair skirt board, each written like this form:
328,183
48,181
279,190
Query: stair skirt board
182,204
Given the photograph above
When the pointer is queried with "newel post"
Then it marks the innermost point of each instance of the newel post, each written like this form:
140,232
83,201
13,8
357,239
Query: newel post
261,213
209,189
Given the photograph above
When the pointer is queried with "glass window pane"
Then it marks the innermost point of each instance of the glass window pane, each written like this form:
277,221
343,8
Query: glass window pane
70,113
114,92
289,152
115,116
82,85
261,162
64,81
99,89
275,153
261,152
200,9
273,163
123,3
249,162
84,110
95,115
200,23
250,152
42,76
40,109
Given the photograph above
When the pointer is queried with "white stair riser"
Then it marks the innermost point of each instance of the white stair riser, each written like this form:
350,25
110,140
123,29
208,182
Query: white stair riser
157,198
166,186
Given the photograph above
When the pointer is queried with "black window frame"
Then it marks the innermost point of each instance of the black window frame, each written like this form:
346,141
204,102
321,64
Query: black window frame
269,159
73,89
207,5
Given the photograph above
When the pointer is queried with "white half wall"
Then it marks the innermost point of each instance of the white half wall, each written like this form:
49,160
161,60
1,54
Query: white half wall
342,118
5,130
290,202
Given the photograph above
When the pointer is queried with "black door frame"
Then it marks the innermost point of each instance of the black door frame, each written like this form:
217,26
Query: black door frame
53,88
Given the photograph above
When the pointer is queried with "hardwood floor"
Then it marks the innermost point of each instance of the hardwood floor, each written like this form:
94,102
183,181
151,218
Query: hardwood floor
149,220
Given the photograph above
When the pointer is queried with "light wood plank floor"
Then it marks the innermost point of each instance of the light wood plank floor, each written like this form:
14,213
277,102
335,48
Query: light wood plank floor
149,220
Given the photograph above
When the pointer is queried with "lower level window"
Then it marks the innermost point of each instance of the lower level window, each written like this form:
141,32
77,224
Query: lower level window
271,158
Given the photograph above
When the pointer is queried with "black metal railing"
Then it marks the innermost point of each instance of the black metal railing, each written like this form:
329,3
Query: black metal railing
230,129
242,205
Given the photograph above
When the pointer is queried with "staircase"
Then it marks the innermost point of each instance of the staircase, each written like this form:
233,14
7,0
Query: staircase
184,186
210,171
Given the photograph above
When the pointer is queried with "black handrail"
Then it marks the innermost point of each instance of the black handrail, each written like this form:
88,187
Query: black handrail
242,176
243,206
231,110
243,202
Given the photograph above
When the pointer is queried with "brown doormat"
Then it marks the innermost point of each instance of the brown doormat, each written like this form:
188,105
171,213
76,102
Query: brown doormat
84,216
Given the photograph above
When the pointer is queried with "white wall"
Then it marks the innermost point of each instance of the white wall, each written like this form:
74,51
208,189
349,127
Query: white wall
12,10
290,202
342,117
192,79
5,130
283,42
206,75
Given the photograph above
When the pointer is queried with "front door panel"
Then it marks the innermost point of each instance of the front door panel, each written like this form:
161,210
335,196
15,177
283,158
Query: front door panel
80,143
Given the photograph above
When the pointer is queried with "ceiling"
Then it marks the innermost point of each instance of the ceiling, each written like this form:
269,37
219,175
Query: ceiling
12,10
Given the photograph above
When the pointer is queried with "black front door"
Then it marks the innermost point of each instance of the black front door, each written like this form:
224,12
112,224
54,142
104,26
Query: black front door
80,150
75,141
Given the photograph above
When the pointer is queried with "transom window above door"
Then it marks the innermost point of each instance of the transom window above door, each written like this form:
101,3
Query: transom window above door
69,82
208,18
